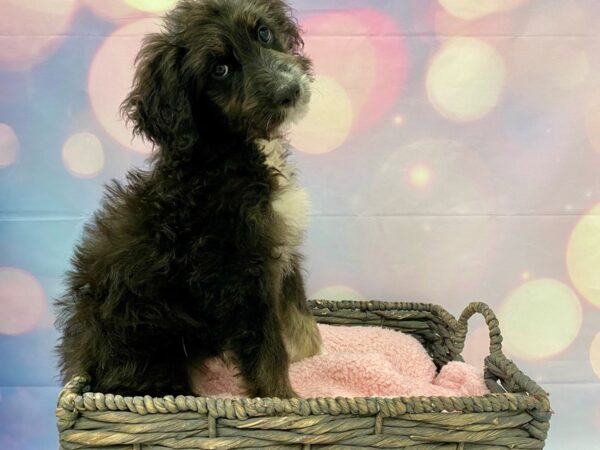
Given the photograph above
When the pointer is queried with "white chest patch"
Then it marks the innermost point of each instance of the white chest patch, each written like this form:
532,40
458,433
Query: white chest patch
290,202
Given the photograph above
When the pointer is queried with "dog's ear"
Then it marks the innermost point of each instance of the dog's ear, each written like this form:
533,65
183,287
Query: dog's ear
288,24
158,105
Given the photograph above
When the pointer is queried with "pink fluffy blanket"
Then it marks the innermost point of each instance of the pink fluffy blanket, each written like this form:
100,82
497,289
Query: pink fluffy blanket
360,362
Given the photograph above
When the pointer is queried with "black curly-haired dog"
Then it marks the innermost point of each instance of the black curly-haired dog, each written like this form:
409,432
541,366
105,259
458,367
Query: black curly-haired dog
198,256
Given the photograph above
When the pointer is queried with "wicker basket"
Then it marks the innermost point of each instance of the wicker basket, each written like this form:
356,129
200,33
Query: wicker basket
514,416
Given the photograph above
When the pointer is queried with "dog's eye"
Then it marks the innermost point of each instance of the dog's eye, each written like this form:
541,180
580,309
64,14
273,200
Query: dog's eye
220,71
264,34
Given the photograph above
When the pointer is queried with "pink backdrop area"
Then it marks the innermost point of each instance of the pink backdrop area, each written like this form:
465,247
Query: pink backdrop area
452,154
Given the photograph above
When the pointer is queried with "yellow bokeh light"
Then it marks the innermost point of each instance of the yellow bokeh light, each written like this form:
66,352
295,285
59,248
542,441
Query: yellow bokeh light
525,275
420,176
595,355
465,79
155,6
475,9
22,301
108,88
338,292
329,120
83,155
541,318
583,256
398,120
9,145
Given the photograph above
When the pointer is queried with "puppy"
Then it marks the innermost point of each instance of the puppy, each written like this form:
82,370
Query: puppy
198,256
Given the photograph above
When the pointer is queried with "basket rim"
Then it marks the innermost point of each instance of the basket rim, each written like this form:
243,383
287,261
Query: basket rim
382,305
76,398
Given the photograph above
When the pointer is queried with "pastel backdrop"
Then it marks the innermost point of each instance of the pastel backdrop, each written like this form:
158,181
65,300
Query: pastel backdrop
452,154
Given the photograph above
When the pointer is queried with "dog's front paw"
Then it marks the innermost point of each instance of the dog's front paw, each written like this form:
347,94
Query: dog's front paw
305,340
282,392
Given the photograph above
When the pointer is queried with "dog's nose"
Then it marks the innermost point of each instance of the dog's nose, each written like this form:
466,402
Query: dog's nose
289,94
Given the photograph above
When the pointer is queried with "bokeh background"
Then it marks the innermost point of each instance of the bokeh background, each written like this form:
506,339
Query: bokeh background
452,154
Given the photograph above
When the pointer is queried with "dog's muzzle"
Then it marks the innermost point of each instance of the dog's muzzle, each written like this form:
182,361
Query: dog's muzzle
280,81
288,94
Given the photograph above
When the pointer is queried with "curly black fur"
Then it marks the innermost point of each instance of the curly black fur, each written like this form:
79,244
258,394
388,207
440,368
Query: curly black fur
178,263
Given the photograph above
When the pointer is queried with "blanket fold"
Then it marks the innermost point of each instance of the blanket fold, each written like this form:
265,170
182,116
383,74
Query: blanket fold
360,362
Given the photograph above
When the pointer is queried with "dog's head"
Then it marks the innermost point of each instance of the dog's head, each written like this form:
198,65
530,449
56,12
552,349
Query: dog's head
228,65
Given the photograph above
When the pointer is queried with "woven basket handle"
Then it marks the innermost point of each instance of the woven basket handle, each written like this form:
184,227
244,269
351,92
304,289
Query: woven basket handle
490,319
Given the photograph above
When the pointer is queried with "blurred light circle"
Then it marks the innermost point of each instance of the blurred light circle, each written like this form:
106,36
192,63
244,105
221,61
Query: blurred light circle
551,53
540,319
573,70
535,61
583,256
110,78
9,145
595,355
465,79
559,19
152,5
43,22
474,9
83,155
398,120
420,176
328,122
392,66
460,180
22,301
337,292
364,50
447,25
354,67
592,119
115,10
457,234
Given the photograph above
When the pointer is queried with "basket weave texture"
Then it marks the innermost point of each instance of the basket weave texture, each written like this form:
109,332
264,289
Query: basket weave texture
515,415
